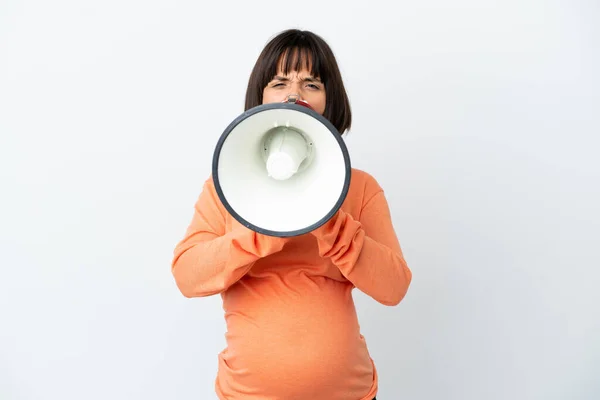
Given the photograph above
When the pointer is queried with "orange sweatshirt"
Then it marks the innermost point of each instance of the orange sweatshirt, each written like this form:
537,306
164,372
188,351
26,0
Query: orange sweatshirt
292,328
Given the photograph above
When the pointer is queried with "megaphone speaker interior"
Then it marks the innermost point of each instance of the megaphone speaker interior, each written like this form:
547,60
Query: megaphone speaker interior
281,169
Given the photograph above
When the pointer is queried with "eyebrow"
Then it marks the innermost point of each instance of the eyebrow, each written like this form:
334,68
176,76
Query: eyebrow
307,79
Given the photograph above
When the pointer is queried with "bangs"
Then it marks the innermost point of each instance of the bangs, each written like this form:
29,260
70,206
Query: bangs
295,56
295,59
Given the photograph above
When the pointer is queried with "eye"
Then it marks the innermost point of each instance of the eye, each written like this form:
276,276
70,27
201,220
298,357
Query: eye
313,86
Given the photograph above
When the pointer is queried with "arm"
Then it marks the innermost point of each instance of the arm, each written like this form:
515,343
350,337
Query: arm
367,252
211,258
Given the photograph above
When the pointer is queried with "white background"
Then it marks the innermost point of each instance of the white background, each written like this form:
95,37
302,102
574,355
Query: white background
480,119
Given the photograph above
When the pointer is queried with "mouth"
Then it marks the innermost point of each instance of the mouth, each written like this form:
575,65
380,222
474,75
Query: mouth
296,100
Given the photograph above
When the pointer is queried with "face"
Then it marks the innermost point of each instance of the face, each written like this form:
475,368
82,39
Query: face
306,86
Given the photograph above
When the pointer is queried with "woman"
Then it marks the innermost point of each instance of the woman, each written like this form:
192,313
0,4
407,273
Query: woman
292,328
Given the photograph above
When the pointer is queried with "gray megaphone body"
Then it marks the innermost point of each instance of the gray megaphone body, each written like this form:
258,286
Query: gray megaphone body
281,169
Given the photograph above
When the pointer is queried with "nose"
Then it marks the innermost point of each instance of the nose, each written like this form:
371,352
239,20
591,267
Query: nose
294,92
292,98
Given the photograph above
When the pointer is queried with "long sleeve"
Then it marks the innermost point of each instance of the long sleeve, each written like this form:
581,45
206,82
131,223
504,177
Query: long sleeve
367,251
211,257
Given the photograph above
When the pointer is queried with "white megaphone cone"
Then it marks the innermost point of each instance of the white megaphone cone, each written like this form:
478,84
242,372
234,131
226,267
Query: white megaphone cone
286,150
281,169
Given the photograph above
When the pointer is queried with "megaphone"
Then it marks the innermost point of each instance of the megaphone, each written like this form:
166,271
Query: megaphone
281,169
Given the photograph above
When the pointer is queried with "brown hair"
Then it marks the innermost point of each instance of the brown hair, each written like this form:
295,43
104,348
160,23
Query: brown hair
293,49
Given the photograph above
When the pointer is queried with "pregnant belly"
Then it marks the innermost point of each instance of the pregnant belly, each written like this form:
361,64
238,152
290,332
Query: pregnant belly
293,340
